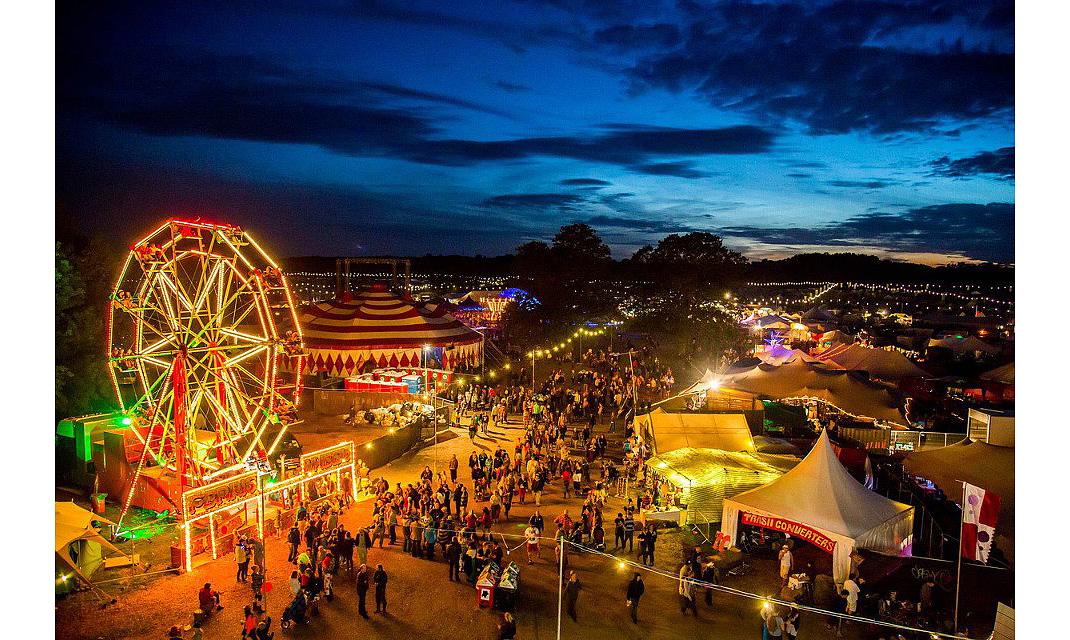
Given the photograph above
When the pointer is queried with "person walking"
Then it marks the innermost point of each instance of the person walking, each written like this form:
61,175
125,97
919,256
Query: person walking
453,559
294,540
629,532
618,532
687,591
572,593
774,624
362,591
379,580
453,468
636,588
531,539
362,544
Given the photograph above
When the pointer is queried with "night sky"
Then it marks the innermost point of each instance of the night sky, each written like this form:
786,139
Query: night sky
453,127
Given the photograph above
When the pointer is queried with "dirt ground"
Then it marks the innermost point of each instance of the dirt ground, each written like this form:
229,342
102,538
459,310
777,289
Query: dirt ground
423,603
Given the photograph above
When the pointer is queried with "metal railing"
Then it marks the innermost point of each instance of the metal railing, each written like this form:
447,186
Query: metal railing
896,440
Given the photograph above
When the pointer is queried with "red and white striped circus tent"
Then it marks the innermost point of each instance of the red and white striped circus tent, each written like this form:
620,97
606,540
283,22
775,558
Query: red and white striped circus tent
375,328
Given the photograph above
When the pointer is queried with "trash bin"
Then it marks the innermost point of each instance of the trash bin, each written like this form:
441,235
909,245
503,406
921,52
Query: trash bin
486,583
508,585
98,502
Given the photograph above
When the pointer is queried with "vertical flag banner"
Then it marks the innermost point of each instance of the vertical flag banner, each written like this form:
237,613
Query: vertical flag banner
980,510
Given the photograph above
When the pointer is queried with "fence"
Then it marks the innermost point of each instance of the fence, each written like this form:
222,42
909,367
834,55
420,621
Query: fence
896,440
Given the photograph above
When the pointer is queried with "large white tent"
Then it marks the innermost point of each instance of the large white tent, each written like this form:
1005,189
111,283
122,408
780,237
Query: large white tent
800,379
79,547
820,502
669,430
885,364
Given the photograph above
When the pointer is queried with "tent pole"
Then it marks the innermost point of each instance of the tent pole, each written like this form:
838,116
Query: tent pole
958,571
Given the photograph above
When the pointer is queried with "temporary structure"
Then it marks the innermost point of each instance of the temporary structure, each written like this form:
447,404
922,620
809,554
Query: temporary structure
379,329
818,501
707,476
778,355
799,379
668,431
79,547
833,338
886,364
981,464
964,345
1002,375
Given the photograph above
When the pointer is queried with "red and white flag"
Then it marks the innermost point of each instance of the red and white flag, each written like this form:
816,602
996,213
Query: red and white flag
980,510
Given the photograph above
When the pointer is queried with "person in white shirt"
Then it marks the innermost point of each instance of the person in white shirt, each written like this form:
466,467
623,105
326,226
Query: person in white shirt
785,564
851,591
531,537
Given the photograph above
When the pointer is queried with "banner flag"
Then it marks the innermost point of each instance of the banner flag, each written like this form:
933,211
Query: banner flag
980,510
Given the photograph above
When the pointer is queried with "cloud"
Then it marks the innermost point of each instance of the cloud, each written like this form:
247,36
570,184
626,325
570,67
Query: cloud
258,99
843,66
677,169
980,231
639,36
512,87
861,184
560,201
799,175
999,163
585,182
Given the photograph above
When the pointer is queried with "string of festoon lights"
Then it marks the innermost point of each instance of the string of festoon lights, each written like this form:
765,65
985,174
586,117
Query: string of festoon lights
885,288
547,351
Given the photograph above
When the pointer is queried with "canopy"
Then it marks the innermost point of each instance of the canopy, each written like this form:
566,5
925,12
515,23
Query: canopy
968,344
79,547
669,431
778,355
800,379
820,498
379,327
708,381
708,476
769,322
1002,375
833,338
981,464
880,363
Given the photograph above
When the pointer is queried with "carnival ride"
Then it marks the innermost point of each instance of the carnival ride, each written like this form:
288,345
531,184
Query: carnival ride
204,349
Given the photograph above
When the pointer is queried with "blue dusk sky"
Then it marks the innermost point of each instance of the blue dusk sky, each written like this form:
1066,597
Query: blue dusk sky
409,127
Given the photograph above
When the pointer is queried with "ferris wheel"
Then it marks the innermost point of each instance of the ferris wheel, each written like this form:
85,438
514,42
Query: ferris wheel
205,351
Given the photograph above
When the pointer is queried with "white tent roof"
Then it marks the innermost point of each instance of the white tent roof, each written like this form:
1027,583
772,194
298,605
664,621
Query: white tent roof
819,492
798,378
880,363
969,344
670,431
709,380
778,355
73,523
1003,375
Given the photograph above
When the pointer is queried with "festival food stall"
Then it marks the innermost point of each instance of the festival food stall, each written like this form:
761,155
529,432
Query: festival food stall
820,503
377,329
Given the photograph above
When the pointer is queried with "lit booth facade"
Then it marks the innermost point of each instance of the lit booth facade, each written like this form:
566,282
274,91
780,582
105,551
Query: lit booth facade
262,504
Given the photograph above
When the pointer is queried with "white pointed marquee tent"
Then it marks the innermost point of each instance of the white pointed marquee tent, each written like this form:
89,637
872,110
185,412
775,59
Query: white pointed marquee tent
818,501
79,547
